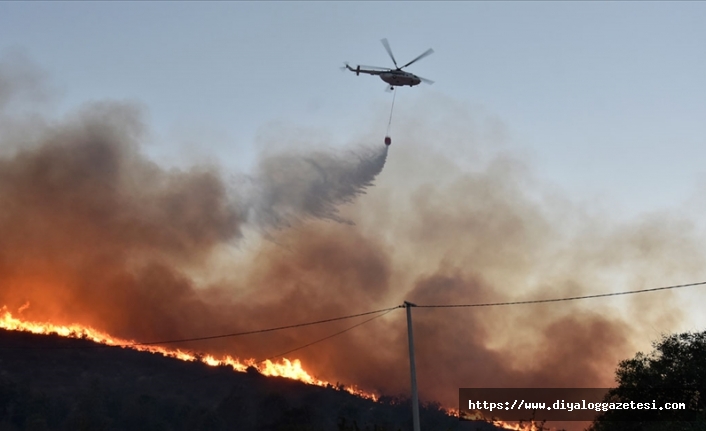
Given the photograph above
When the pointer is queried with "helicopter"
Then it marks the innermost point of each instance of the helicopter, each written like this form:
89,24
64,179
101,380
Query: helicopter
394,77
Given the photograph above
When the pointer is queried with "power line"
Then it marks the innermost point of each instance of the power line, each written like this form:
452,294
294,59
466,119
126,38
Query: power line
259,331
330,336
385,310
572,298
236,334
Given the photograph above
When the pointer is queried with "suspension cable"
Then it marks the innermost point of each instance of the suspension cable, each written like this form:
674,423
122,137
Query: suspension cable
394,93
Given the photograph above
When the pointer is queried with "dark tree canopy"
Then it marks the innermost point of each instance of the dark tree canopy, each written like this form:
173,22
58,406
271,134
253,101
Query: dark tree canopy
675,371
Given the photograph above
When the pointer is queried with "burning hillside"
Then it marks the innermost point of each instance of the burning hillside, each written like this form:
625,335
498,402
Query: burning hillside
54,382
284,368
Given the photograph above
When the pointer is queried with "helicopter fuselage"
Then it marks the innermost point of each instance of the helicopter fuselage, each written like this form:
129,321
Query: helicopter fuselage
400,78
393,77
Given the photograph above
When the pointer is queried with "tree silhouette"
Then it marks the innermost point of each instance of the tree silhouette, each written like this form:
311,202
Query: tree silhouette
675,371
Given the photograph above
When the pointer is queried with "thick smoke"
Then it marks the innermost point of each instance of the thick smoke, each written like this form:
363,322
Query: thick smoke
92,232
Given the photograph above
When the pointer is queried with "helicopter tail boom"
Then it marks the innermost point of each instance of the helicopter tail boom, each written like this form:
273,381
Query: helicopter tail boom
356,70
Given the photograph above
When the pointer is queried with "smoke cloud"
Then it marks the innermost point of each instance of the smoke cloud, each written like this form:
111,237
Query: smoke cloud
93,232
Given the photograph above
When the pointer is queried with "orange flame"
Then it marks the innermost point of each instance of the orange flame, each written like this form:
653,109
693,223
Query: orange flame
504,425
291,369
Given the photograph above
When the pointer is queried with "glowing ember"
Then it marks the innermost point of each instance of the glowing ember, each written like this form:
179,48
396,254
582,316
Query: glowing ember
291,369
504,425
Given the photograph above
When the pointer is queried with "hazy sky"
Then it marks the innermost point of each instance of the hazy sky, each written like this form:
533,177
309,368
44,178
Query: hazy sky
605,98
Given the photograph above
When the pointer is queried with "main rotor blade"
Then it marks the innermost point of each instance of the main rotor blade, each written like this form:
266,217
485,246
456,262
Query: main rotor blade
424,54
389,51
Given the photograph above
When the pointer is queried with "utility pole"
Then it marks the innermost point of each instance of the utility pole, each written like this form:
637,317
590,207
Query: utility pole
412,367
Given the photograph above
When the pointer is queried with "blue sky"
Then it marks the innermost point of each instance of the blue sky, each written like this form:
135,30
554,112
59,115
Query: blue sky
605,98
